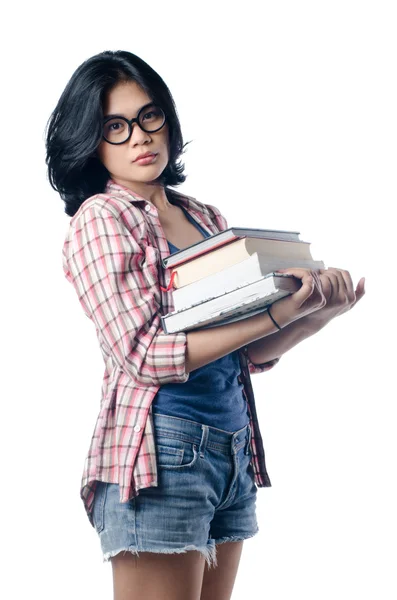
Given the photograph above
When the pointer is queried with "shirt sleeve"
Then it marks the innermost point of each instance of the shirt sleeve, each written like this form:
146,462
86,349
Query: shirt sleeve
106,265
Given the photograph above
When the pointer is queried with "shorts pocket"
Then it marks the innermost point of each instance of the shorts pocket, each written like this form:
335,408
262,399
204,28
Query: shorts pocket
174,453
251,472
98,510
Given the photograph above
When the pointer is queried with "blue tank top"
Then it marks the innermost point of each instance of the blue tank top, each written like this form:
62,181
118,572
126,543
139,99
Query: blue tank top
212,395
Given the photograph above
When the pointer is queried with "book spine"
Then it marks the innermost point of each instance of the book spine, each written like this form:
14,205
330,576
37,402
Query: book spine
173,260
187,322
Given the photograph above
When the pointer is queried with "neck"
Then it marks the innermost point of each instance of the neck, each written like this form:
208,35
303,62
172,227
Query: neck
156,194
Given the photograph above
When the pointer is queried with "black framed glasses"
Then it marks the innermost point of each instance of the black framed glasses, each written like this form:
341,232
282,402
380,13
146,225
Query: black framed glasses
117,130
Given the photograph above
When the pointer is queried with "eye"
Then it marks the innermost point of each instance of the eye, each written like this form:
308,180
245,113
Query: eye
114,127
148,115
152,114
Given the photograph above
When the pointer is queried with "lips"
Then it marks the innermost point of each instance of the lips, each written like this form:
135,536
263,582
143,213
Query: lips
146,155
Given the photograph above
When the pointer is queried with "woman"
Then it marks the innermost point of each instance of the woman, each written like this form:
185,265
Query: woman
172,471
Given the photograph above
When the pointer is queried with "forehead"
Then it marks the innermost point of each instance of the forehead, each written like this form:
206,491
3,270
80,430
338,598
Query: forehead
125,98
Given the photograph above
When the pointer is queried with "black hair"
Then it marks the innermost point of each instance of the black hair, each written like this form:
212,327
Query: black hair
74,129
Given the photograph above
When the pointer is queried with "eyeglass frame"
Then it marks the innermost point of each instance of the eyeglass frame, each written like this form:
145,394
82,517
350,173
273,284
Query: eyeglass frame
131,121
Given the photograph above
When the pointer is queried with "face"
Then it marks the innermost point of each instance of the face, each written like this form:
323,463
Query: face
125,100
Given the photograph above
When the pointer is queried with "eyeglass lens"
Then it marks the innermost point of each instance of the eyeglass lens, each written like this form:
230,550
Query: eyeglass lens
117,130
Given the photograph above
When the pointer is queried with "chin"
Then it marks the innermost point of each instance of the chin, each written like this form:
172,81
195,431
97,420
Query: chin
148,172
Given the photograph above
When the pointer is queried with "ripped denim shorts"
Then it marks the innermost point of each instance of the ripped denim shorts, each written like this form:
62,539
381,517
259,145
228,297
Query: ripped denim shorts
206,494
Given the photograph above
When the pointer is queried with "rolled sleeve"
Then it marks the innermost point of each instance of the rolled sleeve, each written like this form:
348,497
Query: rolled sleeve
165,360
106,265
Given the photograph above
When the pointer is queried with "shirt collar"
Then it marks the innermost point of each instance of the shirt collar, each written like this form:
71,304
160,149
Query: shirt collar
115,189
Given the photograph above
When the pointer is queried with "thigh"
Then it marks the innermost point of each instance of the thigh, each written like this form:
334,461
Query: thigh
171,518
157,576
218,583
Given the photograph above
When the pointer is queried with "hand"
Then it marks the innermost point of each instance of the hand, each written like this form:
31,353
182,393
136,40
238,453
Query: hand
340,296
307,300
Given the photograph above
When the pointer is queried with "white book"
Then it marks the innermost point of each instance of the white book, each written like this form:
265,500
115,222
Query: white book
227,255
232,306
238,275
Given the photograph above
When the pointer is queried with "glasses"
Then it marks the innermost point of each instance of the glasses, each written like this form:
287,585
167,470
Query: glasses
117,130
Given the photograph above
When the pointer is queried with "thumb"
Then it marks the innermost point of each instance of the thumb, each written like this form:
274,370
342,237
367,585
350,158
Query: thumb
305,291
360,289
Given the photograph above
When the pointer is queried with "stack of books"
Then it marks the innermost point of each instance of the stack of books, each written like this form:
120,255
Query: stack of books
230,276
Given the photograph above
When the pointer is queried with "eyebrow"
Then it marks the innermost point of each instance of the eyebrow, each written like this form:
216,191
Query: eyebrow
112,116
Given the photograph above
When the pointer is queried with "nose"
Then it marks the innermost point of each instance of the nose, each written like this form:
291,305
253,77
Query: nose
138,136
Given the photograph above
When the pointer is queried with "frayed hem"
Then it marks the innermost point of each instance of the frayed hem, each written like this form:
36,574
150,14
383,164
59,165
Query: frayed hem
235,538
209,552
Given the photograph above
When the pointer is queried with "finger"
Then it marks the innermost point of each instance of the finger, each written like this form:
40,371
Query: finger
305,291
295,271
318,290
351,295
326,286
336,285
360,291
347,293
340,287
330,282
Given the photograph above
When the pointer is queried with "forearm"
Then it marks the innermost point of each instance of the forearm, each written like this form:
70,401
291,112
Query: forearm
206,345
273,346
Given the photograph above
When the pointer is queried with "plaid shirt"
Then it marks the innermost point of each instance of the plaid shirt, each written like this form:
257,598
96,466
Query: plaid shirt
112,256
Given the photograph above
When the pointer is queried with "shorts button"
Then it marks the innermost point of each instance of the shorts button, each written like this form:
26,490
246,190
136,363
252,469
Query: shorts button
137,428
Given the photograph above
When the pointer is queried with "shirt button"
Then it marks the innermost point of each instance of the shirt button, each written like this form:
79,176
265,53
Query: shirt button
147,207
137,428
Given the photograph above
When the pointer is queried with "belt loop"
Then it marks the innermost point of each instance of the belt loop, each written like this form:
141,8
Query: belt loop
247,447
204,438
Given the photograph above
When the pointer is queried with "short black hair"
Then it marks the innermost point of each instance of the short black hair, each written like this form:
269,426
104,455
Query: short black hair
74,129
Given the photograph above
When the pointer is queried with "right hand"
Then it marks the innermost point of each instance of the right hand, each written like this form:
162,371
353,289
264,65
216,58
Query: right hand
309,298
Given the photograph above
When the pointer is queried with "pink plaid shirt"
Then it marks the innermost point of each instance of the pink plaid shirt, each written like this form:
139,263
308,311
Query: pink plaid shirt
112,256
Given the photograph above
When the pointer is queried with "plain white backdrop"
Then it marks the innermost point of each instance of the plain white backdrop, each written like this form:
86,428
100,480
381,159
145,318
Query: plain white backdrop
291,109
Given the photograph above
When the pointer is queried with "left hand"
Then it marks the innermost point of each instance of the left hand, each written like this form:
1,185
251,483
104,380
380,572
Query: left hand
338,289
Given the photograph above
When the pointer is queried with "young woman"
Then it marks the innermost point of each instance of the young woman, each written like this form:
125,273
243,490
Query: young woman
176,457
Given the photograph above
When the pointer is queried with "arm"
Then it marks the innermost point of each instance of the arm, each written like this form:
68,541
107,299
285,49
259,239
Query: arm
116,288
272,347
262,345
114,283
207,345
340,297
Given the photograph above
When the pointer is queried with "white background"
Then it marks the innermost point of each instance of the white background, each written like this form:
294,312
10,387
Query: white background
320,77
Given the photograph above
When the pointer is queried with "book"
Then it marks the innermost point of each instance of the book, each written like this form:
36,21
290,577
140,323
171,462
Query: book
238,275
232,306
278,253
225,237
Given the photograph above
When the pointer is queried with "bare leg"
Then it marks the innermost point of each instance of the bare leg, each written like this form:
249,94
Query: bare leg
156,576
218,581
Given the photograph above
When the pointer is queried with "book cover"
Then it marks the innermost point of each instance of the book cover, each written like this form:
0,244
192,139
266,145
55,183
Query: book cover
224,237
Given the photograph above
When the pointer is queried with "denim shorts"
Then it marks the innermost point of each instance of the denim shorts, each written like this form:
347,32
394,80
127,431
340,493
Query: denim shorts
206,494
